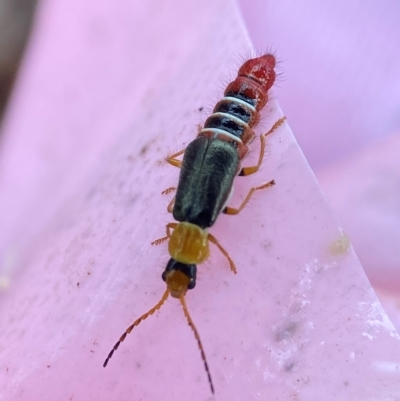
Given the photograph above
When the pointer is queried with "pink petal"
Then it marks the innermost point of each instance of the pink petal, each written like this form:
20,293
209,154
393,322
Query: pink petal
107,92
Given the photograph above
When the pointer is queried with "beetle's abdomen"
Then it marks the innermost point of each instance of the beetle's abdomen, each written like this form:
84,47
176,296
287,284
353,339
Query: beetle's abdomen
238,111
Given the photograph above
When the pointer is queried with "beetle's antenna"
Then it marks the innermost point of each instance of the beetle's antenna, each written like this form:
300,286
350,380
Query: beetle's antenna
134,324
196,334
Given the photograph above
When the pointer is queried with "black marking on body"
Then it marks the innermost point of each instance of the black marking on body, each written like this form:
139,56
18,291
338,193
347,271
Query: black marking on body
235,109
224,123
241,95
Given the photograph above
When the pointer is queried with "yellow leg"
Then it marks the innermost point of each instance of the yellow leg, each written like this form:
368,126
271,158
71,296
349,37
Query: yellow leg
251,170
173,159
168,228
231,210
168,190
170,206
223,251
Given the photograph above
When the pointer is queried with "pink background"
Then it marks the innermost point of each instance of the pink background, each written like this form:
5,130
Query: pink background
106,91
341,91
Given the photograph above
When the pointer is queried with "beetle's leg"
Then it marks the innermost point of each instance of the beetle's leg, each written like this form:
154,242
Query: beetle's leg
223,251
168,229
168,190
252,169
231,210
170,206
173,159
